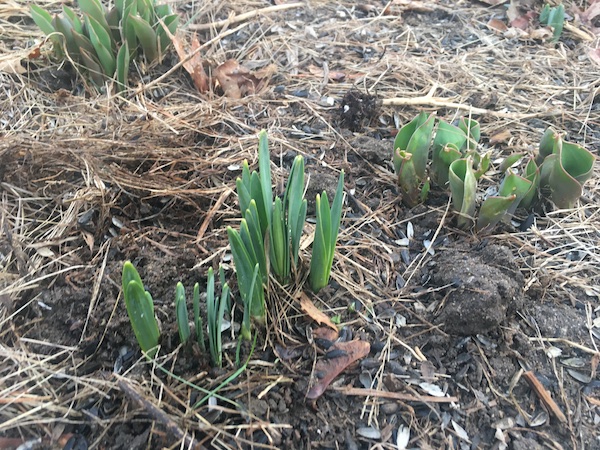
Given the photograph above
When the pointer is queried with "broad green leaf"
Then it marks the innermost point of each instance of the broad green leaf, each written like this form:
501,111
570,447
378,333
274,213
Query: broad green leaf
113,18
183,324
130,274
128,30
92,65
463,186
547,144
146,36
83,43
493,210
42,19
101,41
408,180
93,8
296,205
140,309
568,168
171,22
532,173
63,25
448,141
510,161
73,18
122,69
411,152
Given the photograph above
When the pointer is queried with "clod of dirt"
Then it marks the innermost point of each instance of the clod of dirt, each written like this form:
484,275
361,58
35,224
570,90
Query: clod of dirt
485,286
358,110
373,150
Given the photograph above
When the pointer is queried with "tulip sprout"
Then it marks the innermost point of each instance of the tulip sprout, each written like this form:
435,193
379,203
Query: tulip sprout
560,169
102,42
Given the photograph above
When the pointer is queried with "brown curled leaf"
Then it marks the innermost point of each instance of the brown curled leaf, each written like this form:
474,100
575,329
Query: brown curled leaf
328,368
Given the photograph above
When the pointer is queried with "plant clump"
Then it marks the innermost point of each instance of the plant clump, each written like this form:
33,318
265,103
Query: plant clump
101,42
557,172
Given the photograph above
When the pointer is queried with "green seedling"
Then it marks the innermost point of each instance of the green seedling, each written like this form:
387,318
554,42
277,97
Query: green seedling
494,209
473,130
140,309
565,171
183,324
198,318
532,174
447,147
326,233
554,17
215,310
411,153
268,241
463,187
101,43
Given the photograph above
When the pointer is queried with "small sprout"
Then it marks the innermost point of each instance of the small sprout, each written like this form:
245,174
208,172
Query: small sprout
447,145
553,17
215,311
197,317
565,171
326,234
183,324
140,309
463,186
496,208
411,153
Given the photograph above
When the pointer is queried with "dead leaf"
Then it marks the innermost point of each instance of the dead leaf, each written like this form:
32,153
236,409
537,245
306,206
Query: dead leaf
194,65
497,25
237,81
591,13
341,355
11,64
315,313
594,55
494,2
325,333
520,14
502,136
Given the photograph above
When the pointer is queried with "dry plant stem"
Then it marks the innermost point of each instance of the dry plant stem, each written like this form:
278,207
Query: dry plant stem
394,395
544,396
158,415
244,16
430,100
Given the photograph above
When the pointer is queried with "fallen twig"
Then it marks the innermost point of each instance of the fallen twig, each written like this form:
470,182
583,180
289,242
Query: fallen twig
544,396
395,395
